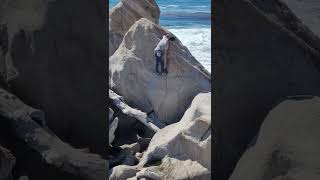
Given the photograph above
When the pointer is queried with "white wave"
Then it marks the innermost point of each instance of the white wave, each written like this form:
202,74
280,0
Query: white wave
168,6
198,41
172,5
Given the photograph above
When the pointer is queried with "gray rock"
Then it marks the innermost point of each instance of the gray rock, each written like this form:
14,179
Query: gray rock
132,74
308,13
23,178
168,169
125,14
126,156
7,162
61,70
175,169
188,139
178,151
259,58
122,172
138,155
287,144
285,178
112,129
17,16
111,112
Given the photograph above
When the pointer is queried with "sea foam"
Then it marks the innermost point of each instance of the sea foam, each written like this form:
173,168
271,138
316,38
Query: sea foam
198,41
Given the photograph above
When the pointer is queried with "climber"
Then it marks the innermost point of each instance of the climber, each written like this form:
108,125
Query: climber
161,52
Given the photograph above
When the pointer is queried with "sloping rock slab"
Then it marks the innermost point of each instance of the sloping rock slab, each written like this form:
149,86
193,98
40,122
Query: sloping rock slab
125,14
287,146
132,74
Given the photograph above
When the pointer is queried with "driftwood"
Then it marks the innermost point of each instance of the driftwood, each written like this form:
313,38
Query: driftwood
118,101
28,125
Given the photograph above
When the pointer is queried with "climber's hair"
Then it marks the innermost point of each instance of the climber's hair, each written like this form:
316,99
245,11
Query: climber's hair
170,37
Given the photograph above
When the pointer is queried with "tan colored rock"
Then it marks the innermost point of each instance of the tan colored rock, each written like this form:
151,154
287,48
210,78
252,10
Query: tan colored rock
132,74
179,151
125,14
188,139
174,169
122,172
287,144
168,169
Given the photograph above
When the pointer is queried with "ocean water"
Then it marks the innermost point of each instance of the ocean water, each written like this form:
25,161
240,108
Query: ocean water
190,21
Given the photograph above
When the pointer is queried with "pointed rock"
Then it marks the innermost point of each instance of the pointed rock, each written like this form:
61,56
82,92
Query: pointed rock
133,76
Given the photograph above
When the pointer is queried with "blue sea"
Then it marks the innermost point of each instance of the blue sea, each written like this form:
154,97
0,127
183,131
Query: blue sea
190,21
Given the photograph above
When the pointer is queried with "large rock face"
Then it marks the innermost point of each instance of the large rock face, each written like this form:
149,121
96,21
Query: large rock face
125,14
308,12
113,124
172,168
287,146
61,70
7,162
300,17
190,138
258,59
186,144
132,73
16,16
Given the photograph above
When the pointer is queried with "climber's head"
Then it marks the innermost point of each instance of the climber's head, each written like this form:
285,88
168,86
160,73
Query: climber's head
170,37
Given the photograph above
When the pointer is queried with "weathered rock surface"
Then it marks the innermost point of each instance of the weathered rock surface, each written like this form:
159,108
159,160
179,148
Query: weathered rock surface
284,178
19,16
125,14
308,12
23,178
181,150
175,169
132,123
132,74
112,129
52,59
59,56
287,143
113,124
259,58
190,138
299,17
122,172
119,102
169,169
28,125
111,112
7,162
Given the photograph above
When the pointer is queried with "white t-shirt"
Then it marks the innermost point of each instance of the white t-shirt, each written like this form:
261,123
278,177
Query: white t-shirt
163,45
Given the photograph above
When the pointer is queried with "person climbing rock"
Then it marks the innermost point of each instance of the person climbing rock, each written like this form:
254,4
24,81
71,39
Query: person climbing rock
161,53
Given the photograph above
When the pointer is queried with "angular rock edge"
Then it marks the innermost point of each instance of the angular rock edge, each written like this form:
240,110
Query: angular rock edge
53,150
